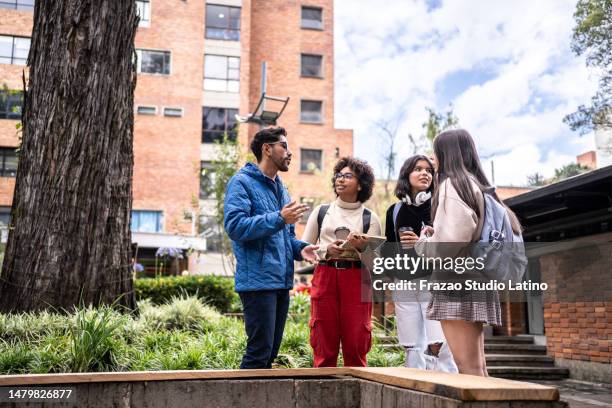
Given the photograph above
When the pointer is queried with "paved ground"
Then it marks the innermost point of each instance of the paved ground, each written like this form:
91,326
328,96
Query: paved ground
580,394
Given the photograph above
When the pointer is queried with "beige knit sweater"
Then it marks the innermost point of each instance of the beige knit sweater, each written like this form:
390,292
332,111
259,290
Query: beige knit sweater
339,214
454,221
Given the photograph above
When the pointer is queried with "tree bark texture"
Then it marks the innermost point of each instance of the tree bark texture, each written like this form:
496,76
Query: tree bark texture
69,241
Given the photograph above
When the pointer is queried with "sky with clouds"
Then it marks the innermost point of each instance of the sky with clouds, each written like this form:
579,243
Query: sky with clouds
505,65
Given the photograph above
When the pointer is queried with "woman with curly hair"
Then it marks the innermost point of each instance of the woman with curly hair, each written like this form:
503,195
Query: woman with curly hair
341,305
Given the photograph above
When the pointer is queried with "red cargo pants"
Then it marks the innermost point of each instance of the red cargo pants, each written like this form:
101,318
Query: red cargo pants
339,316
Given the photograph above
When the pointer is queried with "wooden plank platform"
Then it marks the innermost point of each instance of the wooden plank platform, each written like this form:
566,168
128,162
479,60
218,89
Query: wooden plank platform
458,386
170,375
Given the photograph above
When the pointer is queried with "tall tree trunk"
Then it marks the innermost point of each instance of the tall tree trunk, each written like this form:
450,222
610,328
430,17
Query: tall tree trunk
70,237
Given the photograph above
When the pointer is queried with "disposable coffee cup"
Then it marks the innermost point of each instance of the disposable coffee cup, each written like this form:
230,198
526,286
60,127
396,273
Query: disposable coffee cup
403,230
342,233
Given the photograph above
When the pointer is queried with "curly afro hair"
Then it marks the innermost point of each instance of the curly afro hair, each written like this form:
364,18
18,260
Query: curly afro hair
364,173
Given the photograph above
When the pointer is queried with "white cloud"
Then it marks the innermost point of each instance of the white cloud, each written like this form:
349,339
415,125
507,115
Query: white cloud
514,167
391,59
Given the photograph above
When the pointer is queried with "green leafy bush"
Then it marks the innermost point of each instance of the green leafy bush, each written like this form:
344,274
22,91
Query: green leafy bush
94,345
216,291
183,333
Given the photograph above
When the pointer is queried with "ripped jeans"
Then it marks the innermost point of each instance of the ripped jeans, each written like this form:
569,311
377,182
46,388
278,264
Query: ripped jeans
415,333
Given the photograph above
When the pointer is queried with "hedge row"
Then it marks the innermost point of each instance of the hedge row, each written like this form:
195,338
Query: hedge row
217,291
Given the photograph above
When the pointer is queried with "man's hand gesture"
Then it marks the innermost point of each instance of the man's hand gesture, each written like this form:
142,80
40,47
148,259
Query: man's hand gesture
309,253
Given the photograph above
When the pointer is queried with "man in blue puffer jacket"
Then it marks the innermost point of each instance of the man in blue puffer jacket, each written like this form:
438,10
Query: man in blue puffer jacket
259,218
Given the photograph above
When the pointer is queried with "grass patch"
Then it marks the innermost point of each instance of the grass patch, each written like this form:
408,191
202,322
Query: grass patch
183,333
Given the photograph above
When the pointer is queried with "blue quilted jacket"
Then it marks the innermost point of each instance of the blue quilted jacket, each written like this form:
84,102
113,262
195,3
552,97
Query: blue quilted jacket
265,247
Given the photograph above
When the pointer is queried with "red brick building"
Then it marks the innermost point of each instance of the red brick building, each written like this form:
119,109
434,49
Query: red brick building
568,228
199,64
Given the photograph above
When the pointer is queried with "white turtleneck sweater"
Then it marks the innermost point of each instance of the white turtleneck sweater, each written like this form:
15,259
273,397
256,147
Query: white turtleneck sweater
339,214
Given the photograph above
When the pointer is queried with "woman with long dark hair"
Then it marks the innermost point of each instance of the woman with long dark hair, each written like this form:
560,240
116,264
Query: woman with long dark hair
458,216
422,339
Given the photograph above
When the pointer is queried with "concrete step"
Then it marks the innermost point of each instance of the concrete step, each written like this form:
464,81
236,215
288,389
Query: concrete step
528,373
488,340
531,349
517,360
509,340
505,349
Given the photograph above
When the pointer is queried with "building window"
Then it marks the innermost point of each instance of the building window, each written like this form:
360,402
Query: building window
310,202
5,221
312,17
143,9
222,22
146,221
17,4
311,112
14,50
312,65
311,160
146,110
173,112
8,162
216,122
221,73
207,180
11,104
153,62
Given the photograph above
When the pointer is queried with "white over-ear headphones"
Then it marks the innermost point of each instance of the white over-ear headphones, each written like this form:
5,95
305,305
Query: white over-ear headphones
418,200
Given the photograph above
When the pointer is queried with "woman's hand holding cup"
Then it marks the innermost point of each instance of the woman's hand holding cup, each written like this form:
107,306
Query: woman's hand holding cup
407,237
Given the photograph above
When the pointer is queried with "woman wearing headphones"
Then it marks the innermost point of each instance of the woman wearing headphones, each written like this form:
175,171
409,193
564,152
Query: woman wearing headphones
422,339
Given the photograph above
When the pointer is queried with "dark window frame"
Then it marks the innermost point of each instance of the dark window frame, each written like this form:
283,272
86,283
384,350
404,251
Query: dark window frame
12,57
6,152
303,166
311,203
159,227
173,111
314,24
5,215
227,79
167,62
203,194
145,110
312,122
146,5
12,97
227,33
320,57
212,136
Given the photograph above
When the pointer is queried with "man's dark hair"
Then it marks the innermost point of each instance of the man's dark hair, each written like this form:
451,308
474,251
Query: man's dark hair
364,173
269,135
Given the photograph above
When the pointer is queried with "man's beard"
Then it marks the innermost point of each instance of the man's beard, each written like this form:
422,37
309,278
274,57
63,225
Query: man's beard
281,164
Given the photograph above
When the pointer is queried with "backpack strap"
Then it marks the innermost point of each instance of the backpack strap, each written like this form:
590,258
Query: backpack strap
367,216
396,209
322,211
